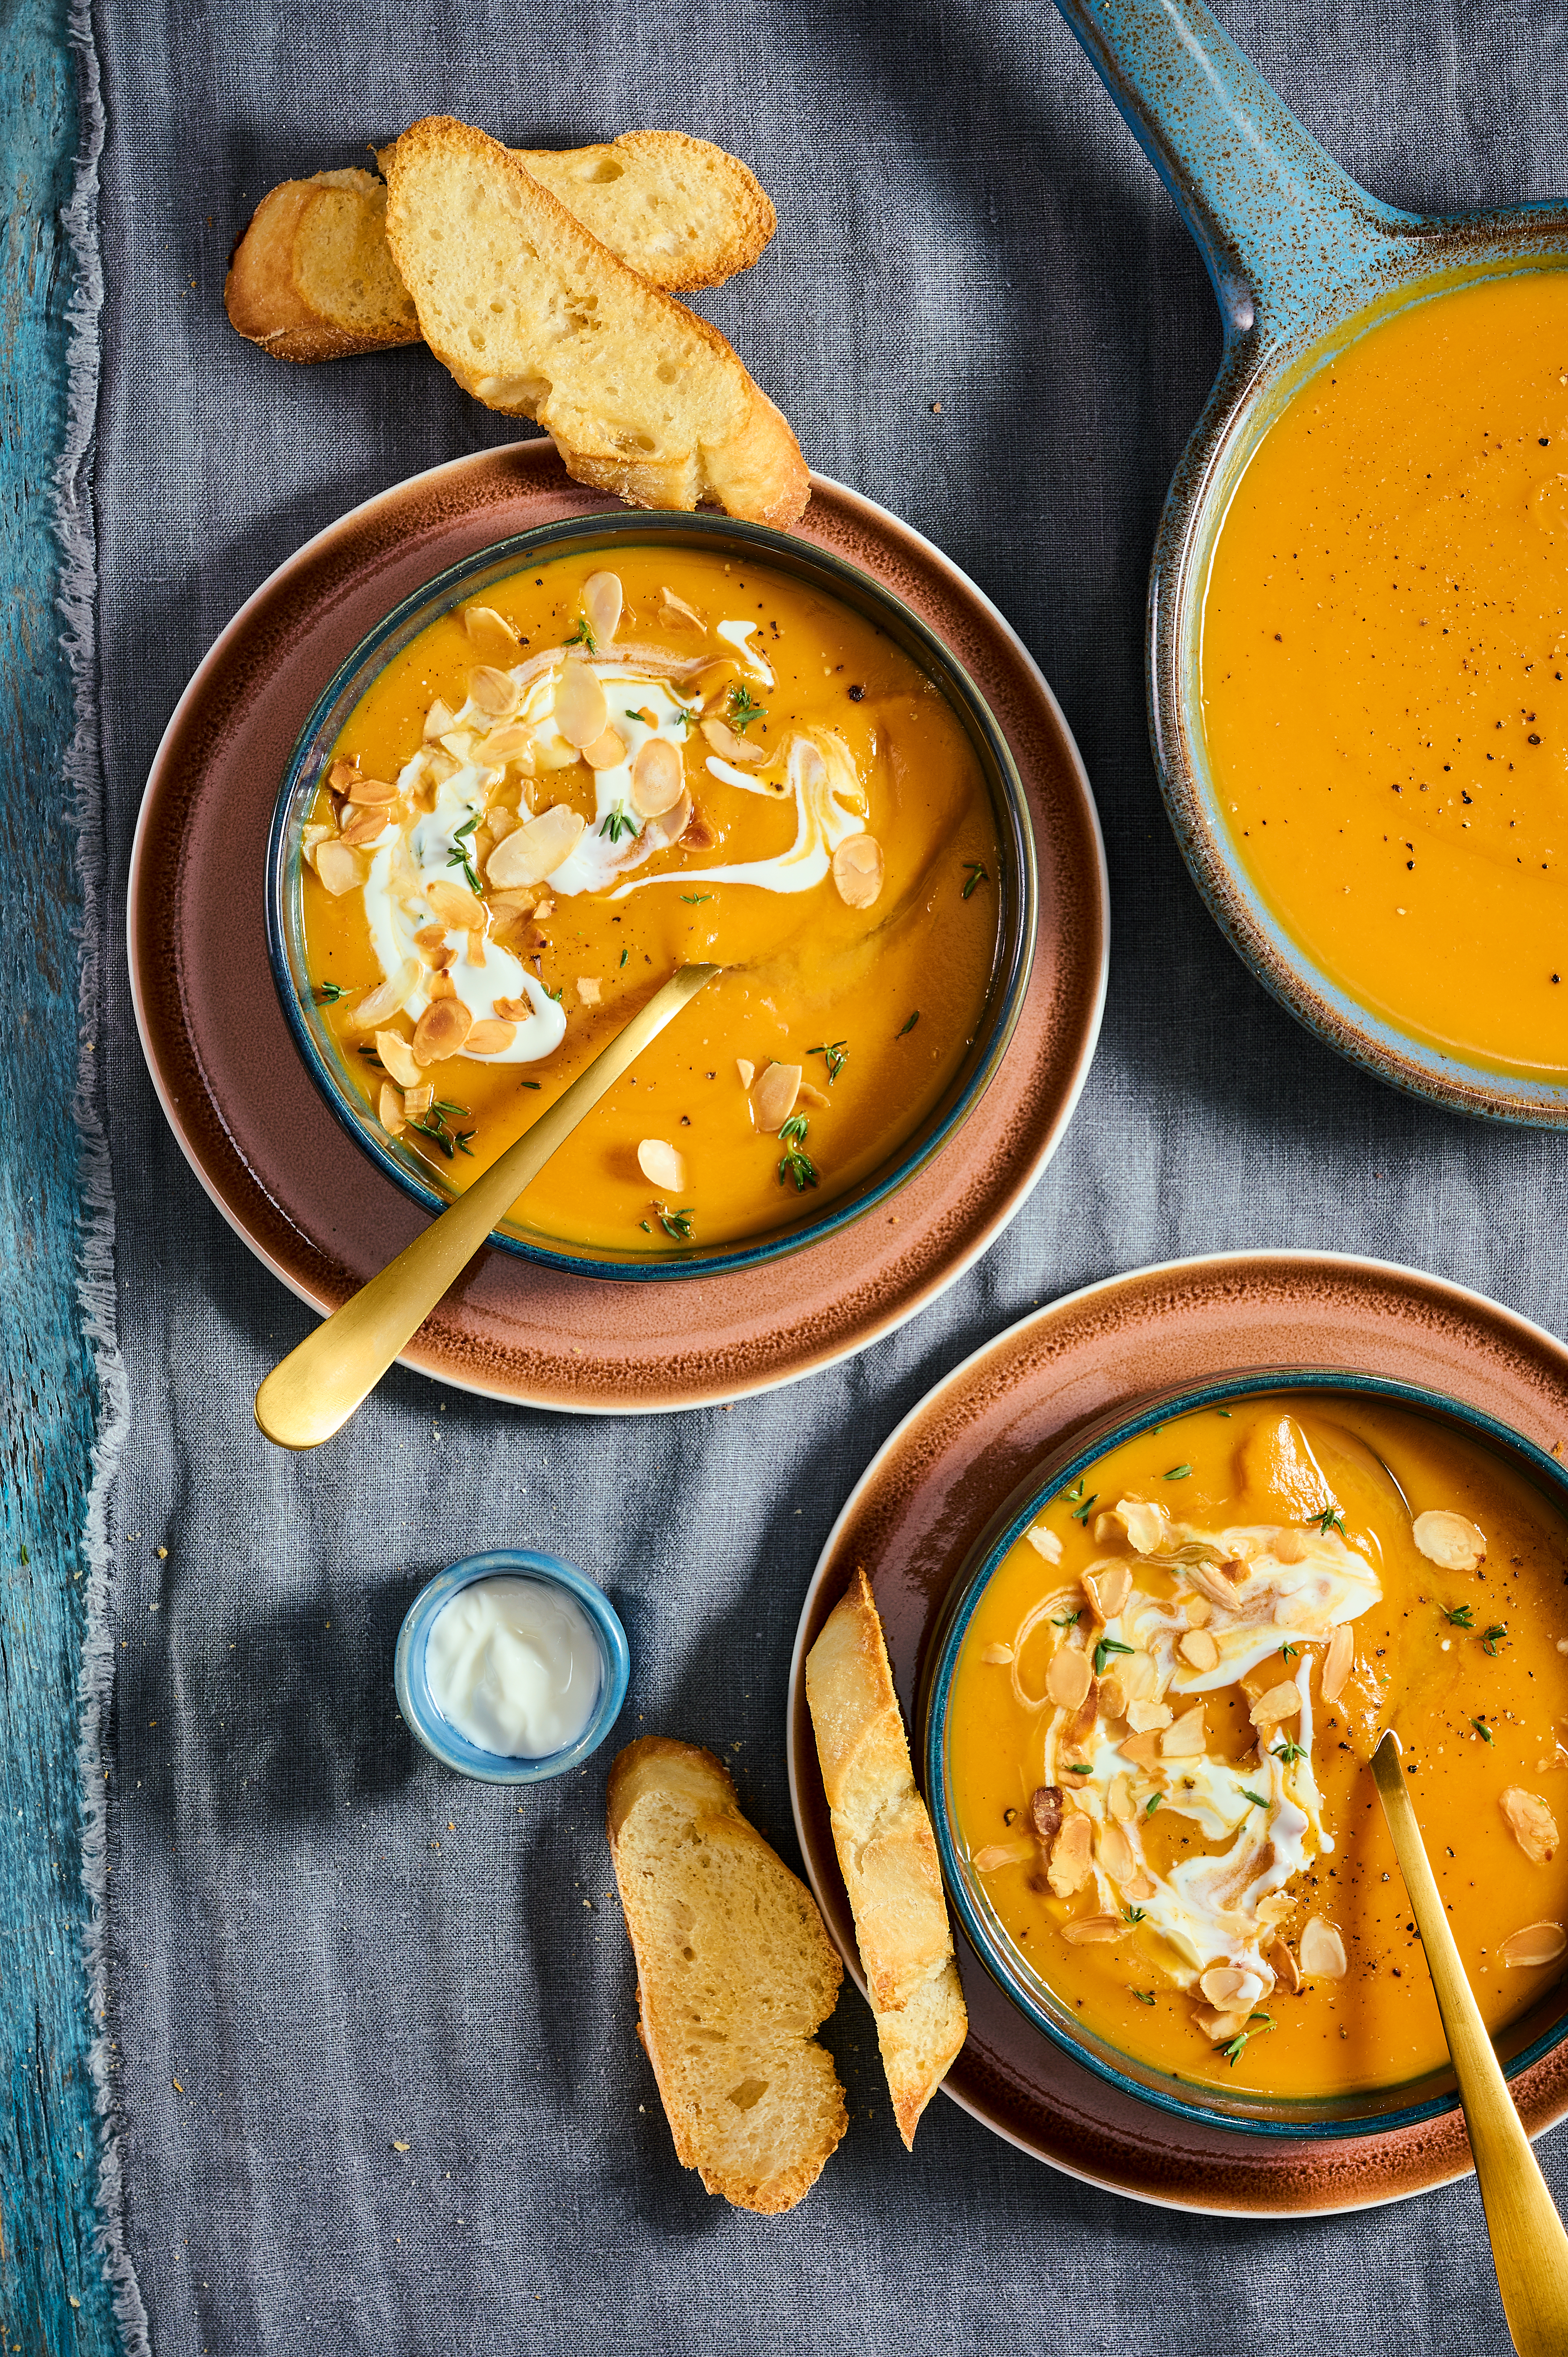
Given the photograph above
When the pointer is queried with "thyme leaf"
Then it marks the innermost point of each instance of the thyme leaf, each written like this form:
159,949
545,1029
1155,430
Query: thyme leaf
837,1054
618,822
1332,1518
909,1025
743,708
1482,1730
1289,1751
1103,1652
580,635
328,994
1080,1514
978,874
1179,1473
1461,1617
676,1223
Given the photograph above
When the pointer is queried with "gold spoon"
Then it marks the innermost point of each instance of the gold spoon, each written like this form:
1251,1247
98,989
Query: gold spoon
312,1393
1529,2249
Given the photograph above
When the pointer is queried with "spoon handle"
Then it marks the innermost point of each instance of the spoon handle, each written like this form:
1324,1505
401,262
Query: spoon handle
1529,2248
312,1393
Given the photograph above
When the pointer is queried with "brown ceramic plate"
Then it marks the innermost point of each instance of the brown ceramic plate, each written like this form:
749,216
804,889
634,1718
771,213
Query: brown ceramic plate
924,1502
286,1176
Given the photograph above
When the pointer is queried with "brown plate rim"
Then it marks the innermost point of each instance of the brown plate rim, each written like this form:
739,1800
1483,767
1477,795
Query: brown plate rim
573,1391
921,1433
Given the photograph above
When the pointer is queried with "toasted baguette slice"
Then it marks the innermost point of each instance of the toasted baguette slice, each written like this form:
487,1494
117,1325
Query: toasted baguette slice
537,320
734,1973
887,1853
313,277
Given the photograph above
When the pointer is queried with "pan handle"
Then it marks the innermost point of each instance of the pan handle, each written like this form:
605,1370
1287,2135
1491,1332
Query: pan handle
1280,226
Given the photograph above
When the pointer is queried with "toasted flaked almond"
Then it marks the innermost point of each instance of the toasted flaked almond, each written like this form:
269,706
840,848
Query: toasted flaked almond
858,870
1105,1531
513,1010
1222,1985
603,599
999,1854
503,746
441,986
531,853
1147,1526
491,637
1119,1798
339,866
341,775
437,720
817,1099
1140,1886
1187,1738
495,692
605,752
1280,1703
1321,1951
1143,1750
1115,1585
1080,1727
675,609
996,1655
430,937
310,836
441,1030
1198,1650
731,747
459,743
1045,1812
1069,1678
1116,1852
546,907
454,904
1138,1676
439,958
1337,1660
746,1069
1286,1969
520,898
658,779
416,1102
581,712
1071,1855
588,989
387,1000
439,766
1220,2026
661,1166
389,1110
489,1038
1452,1541
1087,1929
1288,1546
1147,1717
1216,1584
1538,1943
1112,1696
1199,1611
372,791
398,1056
773,1098
1533,1826
1045,1543
362,826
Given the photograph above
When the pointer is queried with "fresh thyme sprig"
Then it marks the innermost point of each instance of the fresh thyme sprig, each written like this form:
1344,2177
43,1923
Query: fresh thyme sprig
1132,1914
1332,1518
743,708
618,822
328,994
1288,1751
676,1223
837,1054
1493,1637
1080,1514
1461,1617
796,1163
1256,1798
1482,1730
1103,1652
1067,1620
1233,2051
1179,1473
581,635
909,1025
978,874
460,854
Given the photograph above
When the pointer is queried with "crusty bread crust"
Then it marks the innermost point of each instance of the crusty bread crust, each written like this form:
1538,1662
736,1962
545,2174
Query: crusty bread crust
886,1854
313,277
536,318
734,1971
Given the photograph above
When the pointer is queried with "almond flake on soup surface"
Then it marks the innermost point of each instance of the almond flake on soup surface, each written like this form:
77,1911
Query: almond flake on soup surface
675,609
1321,1951
746,1069
773,1099
490,635
606,751
1280,1703
1451,1541
389,1109
1069,1678
588,989
1533,1826
495,692
996,1656
375,793
416,1102
532,852
455,905
338,865
731,747
488,1038
582,710
388,998
437,720
996,1854
1071,1856
603,601
1284,1967
441,1030
858,870
1116,1852
1198,1650
1338,1660
658,779
362,826
398,1056
1538,1943
661,1166
1088,1928
1046,1542
1186,1740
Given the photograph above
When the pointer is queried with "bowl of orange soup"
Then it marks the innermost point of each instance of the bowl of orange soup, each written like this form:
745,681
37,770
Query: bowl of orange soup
608,748
1147,1722
1357,627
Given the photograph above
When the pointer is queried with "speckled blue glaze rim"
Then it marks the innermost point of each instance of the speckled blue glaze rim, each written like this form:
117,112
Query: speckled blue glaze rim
1017,880
1302,260
1374,2113
439,1736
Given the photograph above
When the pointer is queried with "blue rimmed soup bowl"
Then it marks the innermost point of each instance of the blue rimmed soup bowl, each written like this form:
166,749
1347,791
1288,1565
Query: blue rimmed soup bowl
1376,2111
600,536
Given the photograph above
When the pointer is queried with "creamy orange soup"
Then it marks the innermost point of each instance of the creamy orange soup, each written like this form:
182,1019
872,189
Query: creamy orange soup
604,770
1385,670
1162,1718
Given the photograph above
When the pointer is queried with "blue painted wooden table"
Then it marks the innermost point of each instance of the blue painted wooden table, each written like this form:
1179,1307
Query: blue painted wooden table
52,2292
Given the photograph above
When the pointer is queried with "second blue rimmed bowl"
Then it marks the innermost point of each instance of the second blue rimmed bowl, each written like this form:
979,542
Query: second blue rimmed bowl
1372,2112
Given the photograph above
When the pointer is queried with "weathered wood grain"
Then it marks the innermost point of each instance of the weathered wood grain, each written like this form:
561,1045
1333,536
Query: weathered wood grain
52,2294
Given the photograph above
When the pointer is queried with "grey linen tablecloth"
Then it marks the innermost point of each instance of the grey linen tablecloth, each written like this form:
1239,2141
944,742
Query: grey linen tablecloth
334,1949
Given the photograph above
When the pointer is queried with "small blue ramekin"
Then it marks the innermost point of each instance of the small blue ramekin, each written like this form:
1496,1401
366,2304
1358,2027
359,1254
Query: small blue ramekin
438,1735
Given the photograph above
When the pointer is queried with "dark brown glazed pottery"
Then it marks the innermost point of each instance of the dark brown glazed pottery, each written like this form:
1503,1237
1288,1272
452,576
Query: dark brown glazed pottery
289,1179
925,1503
